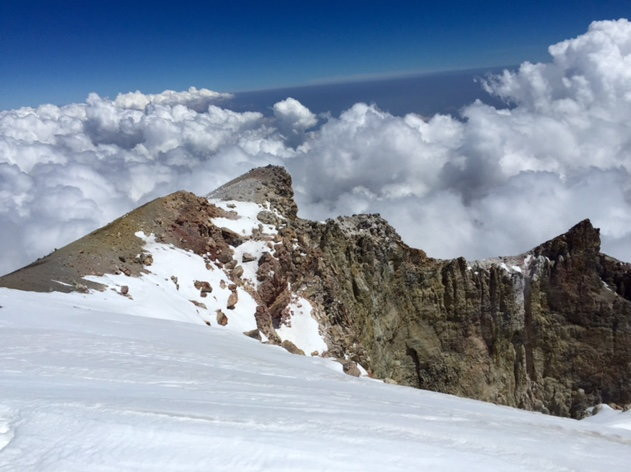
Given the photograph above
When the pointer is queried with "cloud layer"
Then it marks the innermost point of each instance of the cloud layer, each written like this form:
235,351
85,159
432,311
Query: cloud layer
491,181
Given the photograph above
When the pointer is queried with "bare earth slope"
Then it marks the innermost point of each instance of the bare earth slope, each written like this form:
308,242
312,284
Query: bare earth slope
548,330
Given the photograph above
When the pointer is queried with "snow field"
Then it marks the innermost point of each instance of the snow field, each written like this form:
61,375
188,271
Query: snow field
82,389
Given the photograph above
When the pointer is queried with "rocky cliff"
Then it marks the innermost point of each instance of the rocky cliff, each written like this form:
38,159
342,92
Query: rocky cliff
548,330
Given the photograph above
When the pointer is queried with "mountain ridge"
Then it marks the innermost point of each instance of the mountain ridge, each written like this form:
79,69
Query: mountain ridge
547,330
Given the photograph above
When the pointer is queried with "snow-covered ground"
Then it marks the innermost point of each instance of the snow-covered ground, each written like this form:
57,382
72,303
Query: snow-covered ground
244,220
85,389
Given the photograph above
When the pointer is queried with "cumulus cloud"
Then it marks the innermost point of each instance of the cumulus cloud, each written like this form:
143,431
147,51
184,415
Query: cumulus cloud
490,181
292,119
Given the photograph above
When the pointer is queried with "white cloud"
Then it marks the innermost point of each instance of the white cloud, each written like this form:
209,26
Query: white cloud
493,181
292,119
292,113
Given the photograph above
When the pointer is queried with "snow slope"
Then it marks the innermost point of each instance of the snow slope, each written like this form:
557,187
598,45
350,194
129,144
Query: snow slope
82,388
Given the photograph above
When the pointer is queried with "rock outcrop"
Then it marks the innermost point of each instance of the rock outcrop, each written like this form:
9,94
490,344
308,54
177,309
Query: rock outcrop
548,330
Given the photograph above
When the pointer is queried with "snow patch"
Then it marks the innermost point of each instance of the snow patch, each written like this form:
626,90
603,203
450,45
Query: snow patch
245,221
605,415
156,295
302,329
255,249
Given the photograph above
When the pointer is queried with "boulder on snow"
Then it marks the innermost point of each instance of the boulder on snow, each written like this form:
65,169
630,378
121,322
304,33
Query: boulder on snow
247,257
291,347
255,334
232,300
222,319
203,286
350,368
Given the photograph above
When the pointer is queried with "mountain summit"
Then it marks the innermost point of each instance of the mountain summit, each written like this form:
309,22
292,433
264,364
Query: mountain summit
548,330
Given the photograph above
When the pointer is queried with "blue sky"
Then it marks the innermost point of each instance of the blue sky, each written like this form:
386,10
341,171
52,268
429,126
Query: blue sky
60,51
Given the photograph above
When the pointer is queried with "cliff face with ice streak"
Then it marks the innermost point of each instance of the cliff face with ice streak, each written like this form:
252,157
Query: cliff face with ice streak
549,330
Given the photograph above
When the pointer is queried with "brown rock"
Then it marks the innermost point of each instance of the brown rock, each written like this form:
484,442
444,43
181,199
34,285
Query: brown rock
144,258
79,287
232,300
237,271
124,289
174,279
203,286
222,319
350,368
224,257
230,237
291,347
199,304
247,257
255,334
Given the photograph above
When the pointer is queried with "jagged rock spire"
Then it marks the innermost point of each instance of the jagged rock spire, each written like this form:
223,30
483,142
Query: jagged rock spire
581,238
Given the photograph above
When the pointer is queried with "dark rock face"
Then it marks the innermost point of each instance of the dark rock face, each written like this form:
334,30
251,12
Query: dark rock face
548,330
549,335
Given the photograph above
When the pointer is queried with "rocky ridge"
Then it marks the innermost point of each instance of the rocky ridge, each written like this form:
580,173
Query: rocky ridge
548,330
